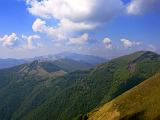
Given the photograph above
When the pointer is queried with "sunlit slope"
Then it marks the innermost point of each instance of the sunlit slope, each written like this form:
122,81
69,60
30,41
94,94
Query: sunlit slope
140,103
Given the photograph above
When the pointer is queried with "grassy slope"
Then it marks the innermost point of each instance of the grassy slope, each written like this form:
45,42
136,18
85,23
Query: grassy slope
71,65
139,103
101,85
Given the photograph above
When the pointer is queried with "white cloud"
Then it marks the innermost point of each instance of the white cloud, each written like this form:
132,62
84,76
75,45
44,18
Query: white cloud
9,40
66,24
63,31
108,43
129,44
40,26
73,16
79,40
137,7
152,47
30,40
14,41
75,10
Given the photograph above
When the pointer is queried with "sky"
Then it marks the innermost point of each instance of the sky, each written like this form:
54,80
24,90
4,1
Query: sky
107,28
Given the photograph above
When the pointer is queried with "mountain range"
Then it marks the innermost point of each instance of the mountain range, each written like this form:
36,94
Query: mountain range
50,90
9,62
90,59
86,60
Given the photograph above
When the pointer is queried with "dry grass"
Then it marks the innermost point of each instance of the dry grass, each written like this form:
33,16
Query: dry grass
140,103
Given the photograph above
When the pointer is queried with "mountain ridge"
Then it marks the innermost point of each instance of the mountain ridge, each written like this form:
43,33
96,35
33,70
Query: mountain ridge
74,94
102,84
86,59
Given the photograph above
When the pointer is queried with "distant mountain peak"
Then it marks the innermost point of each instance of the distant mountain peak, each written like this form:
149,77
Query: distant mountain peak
38,68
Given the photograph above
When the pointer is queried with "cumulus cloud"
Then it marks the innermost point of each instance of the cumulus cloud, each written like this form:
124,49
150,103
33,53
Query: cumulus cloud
75,21
137,7
77,10
108,43
73,16
63,31
9,40
30,40
129,44
40,26
79,40
14,41
152,47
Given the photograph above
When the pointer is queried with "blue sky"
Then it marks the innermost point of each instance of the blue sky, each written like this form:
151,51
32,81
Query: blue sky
107,28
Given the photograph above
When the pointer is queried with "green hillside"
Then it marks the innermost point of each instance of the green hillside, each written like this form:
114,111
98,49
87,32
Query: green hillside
72,65
139,103
71,96
66,65
29,84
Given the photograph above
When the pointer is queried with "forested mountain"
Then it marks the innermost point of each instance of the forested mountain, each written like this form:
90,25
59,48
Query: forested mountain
70,65
27,96
139,103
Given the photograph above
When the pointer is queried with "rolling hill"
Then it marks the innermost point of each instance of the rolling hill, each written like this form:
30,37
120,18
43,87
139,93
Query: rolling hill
25,96
139,103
